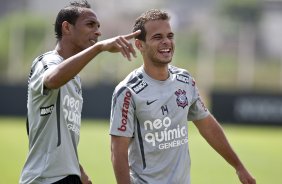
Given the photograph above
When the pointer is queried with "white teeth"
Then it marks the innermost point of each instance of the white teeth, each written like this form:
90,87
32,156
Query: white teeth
165,50
93,41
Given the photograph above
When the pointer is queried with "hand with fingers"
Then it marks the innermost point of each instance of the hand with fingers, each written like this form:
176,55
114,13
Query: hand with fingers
84,177
120,44
245,177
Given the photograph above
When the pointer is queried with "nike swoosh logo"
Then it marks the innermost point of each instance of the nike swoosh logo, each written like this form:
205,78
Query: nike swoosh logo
150,102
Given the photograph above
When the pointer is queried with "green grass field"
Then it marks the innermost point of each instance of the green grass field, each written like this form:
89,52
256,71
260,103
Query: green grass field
260,148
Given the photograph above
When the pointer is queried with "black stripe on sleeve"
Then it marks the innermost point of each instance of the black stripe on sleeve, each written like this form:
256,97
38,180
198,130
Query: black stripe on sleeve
45,66
117,94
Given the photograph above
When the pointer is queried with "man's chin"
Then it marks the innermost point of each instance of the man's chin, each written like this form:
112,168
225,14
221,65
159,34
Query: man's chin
163,62
166,61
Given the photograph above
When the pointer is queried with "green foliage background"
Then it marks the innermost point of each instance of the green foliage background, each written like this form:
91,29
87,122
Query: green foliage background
260,148
39,37
35,28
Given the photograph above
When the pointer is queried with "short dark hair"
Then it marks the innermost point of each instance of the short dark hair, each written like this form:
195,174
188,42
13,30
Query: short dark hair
70,14
153,14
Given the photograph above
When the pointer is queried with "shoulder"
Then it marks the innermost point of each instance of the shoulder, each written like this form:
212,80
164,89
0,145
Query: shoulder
181,74
133,82
46,59
177,70
51,57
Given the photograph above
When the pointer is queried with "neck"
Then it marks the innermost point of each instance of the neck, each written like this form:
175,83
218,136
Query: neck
159,72
59,48
64,50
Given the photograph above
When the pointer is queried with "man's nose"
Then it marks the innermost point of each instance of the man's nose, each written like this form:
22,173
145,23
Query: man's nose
166,40
98,33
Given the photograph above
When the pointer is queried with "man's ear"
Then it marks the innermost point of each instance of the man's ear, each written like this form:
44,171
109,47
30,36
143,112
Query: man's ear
66,28
139,44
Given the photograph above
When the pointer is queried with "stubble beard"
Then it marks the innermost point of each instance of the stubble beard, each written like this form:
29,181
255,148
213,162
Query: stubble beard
161,61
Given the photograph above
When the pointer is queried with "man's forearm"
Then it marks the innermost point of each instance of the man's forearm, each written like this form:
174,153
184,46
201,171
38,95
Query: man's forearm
121,169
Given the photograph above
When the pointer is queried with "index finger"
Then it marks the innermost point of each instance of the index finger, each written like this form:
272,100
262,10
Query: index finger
132,35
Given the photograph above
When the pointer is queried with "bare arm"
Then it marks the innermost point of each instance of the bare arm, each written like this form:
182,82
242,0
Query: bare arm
119,149
211,130
66,70
84,177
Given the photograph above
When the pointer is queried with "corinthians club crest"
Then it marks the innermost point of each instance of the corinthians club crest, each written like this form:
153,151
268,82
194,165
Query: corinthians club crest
181,99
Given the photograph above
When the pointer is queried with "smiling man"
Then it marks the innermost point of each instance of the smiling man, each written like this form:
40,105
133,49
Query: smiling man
150,111
55,97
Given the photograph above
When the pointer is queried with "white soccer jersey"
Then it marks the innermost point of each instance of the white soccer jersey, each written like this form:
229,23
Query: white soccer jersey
154,114
54,118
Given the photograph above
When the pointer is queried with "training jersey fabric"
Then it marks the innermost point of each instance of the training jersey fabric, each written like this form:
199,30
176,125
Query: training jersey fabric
154,114
54,118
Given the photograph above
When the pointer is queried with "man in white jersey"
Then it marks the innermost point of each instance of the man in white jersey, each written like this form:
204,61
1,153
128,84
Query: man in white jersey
55,99
150,110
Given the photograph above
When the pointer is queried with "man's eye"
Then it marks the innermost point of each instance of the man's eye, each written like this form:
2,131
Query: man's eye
157,37
170,36
90,24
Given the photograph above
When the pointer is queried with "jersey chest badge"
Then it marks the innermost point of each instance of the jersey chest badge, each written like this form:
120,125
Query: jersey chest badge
181,98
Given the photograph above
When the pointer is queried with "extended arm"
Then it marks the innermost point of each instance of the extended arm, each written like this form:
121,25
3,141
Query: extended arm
119,149
66,70
211,130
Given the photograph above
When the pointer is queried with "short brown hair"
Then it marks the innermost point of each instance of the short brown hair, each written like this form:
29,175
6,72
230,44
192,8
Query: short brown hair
153,14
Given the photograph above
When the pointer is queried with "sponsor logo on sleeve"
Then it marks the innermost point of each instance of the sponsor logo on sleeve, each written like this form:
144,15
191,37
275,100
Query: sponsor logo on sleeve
202,104
139,87
182,78
46,110
125,107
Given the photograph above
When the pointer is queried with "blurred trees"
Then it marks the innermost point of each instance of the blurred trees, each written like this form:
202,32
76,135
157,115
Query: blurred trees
218,41
246,14
24,38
